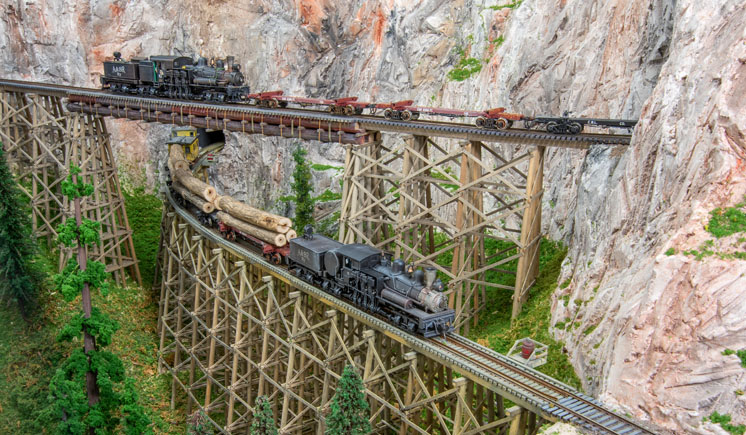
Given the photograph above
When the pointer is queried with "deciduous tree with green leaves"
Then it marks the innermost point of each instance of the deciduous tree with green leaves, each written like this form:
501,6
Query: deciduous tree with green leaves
302,190
264,420
349,411
19,276
90,391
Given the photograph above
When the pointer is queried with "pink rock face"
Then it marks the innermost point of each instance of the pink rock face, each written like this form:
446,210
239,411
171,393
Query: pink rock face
661,322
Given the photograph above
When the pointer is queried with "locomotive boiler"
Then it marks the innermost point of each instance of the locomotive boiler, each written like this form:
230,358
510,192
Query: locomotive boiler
410,299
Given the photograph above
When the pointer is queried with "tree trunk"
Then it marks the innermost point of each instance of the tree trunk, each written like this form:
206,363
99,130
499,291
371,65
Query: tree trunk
200,203
291,234
177,158
89,342
253,215
196,186
270,237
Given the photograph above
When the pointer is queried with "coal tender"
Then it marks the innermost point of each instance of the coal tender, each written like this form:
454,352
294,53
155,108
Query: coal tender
412,300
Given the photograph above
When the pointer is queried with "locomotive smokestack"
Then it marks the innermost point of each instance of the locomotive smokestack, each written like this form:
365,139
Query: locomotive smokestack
429,276
229,61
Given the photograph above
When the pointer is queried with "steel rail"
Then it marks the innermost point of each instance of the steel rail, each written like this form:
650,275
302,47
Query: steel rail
432,128
507,383
575,407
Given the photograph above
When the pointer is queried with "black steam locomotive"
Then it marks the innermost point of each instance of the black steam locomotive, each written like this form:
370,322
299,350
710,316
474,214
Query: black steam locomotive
412,300
176,77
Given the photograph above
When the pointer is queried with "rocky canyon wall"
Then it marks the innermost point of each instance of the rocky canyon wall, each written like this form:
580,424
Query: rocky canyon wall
644,330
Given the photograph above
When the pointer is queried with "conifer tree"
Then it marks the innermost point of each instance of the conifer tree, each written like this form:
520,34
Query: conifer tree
349,410
19,276
302,189
90,391
264,420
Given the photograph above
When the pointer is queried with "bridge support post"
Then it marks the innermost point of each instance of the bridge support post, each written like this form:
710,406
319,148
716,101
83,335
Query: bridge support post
42,140
528,264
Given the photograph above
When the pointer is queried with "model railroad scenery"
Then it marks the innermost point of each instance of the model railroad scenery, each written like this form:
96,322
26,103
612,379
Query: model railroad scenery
506,217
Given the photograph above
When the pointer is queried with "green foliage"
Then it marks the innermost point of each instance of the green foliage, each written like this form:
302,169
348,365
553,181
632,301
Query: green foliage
19,275
71,280
302,189
465,68
198,424
565,283
498,42
75,188
513,5
263,422
320,167
349,409
144,216
589,329
726,222
739,353
327,196
670,252
495,327
113,408
99,325
724,421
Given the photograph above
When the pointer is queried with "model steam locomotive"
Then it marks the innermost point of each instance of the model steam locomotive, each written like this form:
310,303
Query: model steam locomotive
176,77
222,81
411,299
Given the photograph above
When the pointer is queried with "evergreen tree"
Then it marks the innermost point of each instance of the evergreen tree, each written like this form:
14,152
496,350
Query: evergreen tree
20,276
90,391
264,421
302,189
349,411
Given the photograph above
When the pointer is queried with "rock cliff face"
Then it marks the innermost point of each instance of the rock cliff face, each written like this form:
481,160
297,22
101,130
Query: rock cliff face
650,327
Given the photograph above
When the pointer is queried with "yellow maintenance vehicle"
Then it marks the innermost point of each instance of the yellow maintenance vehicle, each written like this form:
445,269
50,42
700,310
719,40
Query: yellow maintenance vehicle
199,146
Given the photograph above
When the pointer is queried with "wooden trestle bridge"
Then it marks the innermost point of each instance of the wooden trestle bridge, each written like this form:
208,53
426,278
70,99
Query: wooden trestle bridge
233,327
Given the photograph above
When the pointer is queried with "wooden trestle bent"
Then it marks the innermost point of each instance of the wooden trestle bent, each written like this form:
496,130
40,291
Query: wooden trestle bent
233,329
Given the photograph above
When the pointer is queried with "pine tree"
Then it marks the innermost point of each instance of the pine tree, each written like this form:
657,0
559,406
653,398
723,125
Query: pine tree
349,409
90,391
20,276
302,189
264,421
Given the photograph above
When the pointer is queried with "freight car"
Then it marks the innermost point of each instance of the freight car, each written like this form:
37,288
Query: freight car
176,77
412,300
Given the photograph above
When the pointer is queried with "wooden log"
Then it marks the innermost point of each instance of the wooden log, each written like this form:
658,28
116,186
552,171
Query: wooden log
196,186
291,234
270,237
176,158
200,203
253,215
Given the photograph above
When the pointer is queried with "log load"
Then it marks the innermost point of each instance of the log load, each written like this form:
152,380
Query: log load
270,237
291,234
195,185
200,203
254,216
176,158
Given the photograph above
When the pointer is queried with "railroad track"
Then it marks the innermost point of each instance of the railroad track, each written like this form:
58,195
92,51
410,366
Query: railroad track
562,401
424,127
521,384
